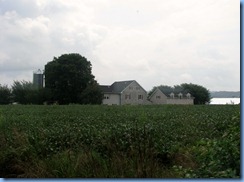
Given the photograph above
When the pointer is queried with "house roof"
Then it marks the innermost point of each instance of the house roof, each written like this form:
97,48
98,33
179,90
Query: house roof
106,88
116,87
168,92
154,92
120,86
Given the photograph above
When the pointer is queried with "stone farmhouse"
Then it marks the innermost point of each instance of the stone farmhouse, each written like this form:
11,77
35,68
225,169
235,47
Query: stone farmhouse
132,93
124,92
160,97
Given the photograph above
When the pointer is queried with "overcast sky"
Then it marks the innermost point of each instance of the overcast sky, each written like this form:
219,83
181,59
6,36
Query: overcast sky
155,42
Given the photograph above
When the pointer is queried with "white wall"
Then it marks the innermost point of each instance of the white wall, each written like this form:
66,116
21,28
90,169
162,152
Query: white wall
134,90
179,101
111,99
155,100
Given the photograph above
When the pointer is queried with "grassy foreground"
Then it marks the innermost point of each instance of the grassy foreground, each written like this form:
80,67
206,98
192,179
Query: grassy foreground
120,141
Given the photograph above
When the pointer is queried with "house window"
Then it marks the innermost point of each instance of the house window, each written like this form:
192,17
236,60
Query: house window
106,97
140,97
158,97
127,96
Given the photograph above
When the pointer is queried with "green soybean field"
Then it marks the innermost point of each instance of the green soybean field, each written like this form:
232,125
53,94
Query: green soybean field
85,141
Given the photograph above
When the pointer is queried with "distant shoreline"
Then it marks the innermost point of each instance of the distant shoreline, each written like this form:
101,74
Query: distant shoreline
225,94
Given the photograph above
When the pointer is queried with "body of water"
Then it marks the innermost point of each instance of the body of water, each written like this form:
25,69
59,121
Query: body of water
225,101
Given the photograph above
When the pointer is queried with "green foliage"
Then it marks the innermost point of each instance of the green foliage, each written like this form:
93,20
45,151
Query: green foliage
220,157
125,141
5,94
92,94
68,76
22,91
25,92
201,94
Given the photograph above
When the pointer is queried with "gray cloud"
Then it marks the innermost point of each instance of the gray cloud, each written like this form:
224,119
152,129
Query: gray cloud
22,7
156,42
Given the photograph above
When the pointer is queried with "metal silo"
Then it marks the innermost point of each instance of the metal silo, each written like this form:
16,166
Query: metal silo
38,78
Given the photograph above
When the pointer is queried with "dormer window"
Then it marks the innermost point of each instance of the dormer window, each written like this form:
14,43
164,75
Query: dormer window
172,95
180,95
188,95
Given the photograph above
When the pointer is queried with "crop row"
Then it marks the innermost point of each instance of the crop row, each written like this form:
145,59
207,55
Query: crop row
158,132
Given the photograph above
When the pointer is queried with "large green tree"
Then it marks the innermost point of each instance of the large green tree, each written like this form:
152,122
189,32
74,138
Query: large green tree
5,94
92,94
201,94
67,77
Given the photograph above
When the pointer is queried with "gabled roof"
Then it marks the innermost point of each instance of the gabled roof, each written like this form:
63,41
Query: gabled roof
167,93
174,91
120,86
116,87
106,88
155,92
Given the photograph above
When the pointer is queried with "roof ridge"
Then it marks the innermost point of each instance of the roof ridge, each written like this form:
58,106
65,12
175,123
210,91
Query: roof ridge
124,81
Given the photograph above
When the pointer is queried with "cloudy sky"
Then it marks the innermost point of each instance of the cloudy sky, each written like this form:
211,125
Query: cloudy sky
155,42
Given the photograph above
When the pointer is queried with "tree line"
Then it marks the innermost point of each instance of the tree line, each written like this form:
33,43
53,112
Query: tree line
69,79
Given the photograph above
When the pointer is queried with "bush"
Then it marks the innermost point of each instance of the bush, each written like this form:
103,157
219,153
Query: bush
217,158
